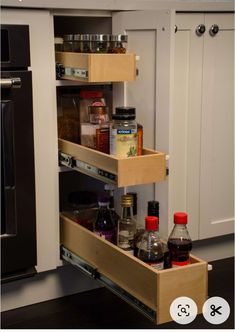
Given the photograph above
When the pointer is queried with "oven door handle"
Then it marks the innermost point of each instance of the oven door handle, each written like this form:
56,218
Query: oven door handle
7,83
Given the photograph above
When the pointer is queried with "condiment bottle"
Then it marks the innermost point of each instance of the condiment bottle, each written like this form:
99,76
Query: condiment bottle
179,242
150,248
104,225
126,225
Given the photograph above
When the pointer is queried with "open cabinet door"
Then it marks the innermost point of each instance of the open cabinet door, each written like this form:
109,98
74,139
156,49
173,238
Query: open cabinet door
150,35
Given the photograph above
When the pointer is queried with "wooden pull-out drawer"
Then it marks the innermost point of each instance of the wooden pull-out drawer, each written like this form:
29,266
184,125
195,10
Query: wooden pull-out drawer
147,168
92,67
154,289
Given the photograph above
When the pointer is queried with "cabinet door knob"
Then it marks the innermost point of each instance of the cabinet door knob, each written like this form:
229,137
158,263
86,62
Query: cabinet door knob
176,28
214,29
200,30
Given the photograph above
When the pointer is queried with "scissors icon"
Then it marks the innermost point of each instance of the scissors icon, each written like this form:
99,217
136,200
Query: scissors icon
215,310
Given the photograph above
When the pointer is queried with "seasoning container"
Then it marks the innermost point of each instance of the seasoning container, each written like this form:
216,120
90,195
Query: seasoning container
77,43
88,98
123,133
95,134
99,43
58,41
68,43
116,43
85,43
98,114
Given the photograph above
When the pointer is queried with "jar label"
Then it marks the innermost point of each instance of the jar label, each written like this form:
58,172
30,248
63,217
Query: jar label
107,235
123,142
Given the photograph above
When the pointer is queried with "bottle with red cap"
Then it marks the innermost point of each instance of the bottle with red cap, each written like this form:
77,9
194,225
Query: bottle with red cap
150,248
179,242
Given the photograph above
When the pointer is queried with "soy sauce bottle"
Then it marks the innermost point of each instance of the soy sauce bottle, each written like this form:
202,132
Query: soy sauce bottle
179,242
150,248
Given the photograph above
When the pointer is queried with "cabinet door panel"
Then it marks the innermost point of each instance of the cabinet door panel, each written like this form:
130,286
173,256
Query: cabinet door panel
186,120
217,148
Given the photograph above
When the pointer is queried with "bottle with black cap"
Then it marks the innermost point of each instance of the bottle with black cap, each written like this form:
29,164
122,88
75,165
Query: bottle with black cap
123,133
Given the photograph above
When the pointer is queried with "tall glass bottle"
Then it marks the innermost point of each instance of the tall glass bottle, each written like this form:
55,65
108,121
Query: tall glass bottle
126,225
150,247
104,225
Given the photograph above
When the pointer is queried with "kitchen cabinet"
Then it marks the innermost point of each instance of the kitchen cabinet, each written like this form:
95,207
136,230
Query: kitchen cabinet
202,126
150,36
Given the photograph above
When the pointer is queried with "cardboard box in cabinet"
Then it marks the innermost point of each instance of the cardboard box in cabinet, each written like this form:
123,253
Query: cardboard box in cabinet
147,168
93,67
155,289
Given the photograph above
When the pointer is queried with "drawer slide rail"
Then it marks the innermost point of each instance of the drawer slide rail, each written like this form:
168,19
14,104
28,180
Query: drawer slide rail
82,167
92,271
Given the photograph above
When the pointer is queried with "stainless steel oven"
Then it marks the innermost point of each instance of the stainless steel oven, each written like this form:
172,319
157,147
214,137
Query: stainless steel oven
18,216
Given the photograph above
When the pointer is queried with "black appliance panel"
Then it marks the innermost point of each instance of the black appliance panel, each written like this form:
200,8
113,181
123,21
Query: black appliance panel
19,240
15,46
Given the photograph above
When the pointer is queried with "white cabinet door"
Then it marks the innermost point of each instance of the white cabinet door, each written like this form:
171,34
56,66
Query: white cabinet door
201,135
150,37
185,120
217,129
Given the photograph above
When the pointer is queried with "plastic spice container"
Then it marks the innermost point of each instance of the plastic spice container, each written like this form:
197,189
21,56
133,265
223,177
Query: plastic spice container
98,114
116,43
85,43
123,133
99,43
68,43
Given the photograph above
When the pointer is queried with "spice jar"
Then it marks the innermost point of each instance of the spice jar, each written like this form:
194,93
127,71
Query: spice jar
116,43
123,133
98,114
58,41
85,43
68,43
77,43
99,43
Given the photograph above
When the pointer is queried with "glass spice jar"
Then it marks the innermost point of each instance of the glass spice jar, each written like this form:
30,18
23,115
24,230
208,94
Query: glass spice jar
77,43
85,43
99,43
68,43
116,43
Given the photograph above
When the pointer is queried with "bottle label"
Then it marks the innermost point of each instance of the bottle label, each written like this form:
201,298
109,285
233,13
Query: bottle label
123,142
178,264
107,235
157,266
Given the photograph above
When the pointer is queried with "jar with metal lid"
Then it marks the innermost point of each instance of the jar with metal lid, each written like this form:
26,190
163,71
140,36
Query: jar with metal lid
68,43
99,43
98,114
116,43
123,133
85,43
58,41
77,43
